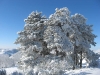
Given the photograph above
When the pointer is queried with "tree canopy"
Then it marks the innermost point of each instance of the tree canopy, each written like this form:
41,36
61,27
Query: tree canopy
51,45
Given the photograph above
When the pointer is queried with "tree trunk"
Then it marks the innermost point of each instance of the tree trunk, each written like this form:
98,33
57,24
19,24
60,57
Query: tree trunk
74,62
81,60
74,58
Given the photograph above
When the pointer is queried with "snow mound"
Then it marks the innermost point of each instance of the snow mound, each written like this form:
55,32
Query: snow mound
10,70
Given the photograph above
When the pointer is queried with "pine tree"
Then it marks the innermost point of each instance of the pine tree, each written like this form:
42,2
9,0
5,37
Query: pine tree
56,35
31,41
84,36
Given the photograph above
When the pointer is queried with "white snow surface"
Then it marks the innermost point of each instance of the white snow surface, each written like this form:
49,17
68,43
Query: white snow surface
11,70
84,71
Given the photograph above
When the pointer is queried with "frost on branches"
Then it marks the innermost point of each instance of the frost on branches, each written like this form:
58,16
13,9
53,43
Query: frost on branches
51,45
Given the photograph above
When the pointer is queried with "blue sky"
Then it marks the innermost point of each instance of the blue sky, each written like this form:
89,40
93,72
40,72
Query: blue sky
13,13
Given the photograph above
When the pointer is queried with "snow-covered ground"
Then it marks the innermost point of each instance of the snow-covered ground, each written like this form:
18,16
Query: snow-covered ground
86,71
11,70
83,71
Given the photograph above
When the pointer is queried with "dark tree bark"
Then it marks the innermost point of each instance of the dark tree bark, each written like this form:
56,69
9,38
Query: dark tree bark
74,58
45,50
81,60
74,63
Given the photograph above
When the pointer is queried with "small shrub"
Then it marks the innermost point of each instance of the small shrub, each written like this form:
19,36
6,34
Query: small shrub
16,73
3,72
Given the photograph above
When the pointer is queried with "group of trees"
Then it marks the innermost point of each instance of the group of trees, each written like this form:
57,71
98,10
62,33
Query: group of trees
9,58
52,45
6,61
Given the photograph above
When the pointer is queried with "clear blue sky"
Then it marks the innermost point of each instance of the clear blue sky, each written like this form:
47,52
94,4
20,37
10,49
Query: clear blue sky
13,13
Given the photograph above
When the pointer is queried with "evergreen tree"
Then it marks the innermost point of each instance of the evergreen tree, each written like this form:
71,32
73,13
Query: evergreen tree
50,46
31,40
84,37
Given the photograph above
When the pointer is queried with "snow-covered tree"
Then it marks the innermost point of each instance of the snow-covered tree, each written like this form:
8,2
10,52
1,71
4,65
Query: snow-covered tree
5,61
50,46
92,58
56,38
55,34
83,37
31,40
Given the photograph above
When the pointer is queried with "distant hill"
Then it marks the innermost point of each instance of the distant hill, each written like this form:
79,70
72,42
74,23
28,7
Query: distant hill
9,57
8,51
97,51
